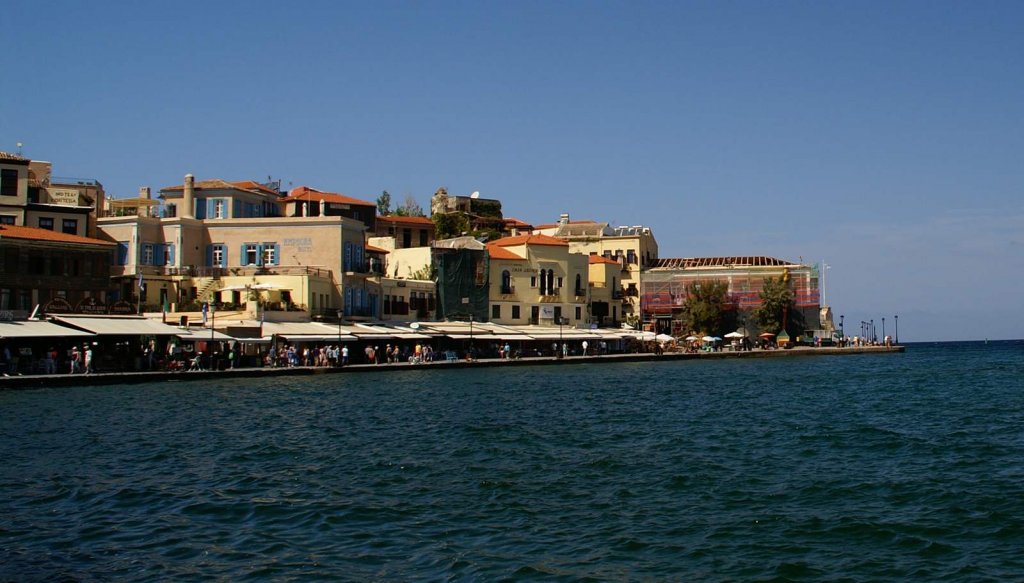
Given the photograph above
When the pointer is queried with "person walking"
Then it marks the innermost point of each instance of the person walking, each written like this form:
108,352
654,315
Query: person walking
585,347
88,360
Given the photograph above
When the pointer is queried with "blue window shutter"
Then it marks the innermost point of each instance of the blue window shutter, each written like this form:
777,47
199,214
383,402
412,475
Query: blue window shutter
242,259
211,208
224,261
200,210
209,255
236,211
122,253
277,254
259,254
158,254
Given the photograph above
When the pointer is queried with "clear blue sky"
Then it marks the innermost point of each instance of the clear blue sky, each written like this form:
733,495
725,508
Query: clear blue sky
885,138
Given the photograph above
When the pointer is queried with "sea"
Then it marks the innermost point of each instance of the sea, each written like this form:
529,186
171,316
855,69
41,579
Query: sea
874,467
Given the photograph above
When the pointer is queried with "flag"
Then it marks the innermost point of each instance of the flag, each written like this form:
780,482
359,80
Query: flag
142,282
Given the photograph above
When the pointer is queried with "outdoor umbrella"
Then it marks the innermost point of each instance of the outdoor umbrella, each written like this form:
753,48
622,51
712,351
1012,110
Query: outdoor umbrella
766,335
734,335
664,338
708,339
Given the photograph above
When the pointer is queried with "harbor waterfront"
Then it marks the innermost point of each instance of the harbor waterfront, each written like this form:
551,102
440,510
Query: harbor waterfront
886,466
67,380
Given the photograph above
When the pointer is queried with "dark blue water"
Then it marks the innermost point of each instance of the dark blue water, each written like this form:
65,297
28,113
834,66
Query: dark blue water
873,467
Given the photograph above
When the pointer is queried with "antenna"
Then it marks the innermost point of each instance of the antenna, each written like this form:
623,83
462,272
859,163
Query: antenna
19,148
476,194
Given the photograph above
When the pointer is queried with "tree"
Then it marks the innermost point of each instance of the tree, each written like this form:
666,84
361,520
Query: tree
384,204
448,225
704,309
777,305
409,208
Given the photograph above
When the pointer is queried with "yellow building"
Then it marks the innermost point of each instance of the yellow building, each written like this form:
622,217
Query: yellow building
633,248
242,253
535,279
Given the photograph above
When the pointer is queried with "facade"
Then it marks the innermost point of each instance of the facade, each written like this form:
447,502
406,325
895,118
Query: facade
13,189
241,251
57,271
606,299
665,286
406,231
633,248
304,201
535,279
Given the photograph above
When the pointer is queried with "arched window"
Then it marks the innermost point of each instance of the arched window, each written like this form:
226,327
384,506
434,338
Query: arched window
506,282
551,282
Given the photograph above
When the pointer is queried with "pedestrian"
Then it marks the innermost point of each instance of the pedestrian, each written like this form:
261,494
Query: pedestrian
88,360
75,360
585,347
344,355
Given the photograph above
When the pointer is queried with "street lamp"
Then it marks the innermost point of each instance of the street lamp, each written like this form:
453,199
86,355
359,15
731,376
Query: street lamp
883,329
561,345
897,319
338,358
872,329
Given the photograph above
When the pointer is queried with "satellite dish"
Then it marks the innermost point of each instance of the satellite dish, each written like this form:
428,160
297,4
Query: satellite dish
476,194
415,325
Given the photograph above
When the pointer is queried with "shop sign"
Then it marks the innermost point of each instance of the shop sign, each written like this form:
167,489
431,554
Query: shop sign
68,197
91,306
123,308
57,306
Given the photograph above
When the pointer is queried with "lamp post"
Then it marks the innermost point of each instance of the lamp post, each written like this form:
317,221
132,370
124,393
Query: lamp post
213,322
338,358
896,318
872,331
561,345
471,335
842,332
883,329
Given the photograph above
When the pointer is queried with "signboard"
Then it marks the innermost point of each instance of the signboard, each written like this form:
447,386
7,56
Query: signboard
122,307
547,312
57,306
91,306
63,196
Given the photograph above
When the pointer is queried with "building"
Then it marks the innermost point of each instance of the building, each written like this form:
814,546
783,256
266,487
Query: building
665,287
633,248
13,189
482,214
535,279
59,272
304,201
606,297
405,232
232,243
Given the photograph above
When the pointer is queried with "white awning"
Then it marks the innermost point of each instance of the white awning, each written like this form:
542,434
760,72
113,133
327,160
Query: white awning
38,329
318,338
201,334
119,325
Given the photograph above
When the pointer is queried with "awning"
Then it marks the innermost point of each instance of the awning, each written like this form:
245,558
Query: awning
38,329
318,338
118,326
200,334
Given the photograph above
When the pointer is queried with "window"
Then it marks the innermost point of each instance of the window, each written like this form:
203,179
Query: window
579,313
217,255
7,219
560,286
70,226
579,285
630,256
169,256
122,253
46,223
270,254
147,254
423,237
515,312
8,182
495,312
406,238
250,254
387,303
506,282
347,260
219,208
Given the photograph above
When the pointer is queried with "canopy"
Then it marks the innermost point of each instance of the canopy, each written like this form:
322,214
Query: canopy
708,339
664,338
202,334
734,335
691,338
38,329
766,334
318,338
119,325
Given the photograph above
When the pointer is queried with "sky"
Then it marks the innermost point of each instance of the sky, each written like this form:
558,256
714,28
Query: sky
884,139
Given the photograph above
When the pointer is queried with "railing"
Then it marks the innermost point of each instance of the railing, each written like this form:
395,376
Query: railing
75,181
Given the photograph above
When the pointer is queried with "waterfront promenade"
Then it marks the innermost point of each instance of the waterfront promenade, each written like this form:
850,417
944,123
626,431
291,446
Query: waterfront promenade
69,380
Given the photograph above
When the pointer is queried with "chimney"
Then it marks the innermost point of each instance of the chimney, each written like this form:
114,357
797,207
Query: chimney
187,202
563,219
144,192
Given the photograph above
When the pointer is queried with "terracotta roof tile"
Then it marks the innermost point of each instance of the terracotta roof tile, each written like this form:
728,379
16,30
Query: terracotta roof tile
593,259
530,240
302,192
497,252
36,234
9,157
217,183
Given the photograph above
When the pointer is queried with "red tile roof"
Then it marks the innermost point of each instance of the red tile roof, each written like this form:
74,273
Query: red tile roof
9,157
592,259
497,252
512,222
530,240
697,262
304,192
218,184
36,234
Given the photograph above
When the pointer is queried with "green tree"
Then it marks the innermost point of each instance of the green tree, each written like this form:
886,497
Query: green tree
384,204
448,225
705,307
409,208
777,305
